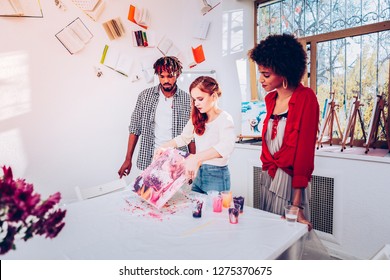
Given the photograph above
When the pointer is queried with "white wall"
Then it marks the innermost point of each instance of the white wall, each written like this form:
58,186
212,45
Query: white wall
61,125
361,197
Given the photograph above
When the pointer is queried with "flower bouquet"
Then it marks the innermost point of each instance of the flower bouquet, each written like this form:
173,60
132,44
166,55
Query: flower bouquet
23,214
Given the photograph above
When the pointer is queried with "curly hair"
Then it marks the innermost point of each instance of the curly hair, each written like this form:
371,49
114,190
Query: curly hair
283,54
170,64
208,85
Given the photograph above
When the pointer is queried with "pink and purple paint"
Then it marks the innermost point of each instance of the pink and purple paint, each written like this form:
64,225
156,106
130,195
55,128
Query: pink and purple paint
239,200
233,215
197,212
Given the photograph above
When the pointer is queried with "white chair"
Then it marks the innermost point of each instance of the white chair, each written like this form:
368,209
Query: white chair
91,192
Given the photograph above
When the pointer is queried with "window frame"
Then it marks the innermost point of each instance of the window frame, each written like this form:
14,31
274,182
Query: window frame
311,42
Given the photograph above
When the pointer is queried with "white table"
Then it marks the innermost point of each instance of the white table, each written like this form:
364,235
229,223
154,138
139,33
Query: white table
114,227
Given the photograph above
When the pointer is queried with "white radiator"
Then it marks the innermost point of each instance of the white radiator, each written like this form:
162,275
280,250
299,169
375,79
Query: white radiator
324,203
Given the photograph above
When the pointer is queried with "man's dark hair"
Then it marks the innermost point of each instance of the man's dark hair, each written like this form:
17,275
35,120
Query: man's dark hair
170,64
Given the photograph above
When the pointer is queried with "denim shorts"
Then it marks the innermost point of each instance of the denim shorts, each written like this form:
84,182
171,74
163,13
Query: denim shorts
211,177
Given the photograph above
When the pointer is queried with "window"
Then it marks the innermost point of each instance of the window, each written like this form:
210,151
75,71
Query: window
348,44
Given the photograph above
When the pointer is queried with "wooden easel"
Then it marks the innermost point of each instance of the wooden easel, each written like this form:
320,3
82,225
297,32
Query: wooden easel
350,129
378,112
331,115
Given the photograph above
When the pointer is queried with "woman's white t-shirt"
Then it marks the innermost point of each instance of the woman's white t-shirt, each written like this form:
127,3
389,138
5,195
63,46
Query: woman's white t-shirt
219,134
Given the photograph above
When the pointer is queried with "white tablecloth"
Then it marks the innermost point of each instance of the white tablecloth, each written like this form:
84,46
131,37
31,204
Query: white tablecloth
121,226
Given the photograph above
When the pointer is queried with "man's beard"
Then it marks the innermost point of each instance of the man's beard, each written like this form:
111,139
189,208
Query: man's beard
169,88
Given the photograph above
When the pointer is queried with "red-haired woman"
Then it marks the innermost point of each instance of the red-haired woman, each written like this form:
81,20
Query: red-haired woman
213,131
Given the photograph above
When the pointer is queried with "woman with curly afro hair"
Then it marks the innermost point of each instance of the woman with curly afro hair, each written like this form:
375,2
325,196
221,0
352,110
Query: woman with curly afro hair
290,127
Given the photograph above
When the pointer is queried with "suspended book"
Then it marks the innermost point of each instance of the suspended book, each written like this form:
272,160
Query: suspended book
86,5
93,8
114,28
143,39
168,48
197,56
162,179
140,17
60,5
74,36
116,60
21,8
207,7
147,68
201,29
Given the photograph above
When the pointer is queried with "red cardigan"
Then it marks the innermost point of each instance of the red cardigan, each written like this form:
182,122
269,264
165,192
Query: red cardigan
296,155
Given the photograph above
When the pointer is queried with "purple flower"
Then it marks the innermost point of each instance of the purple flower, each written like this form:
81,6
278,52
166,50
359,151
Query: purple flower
25,194
7,185
48,204
23,213
7,179
15,214
52,232
23,201
8,242
52,225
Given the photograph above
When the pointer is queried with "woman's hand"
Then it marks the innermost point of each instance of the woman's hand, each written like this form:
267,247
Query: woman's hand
192,165
163,148
302,219
297,201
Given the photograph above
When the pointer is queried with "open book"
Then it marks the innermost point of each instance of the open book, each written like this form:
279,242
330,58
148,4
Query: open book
143,39
93,8
168,48
197,56
201,30
114,28
74,36
116,60
20,8
162,179
140,17
147,68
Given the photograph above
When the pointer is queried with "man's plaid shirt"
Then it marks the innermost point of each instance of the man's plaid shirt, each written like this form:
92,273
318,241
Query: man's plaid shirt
142,120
